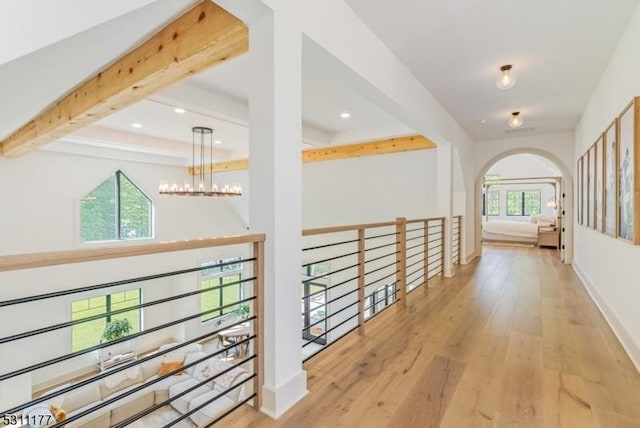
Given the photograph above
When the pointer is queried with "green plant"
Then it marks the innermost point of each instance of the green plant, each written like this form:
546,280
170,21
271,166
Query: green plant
242,311
116,329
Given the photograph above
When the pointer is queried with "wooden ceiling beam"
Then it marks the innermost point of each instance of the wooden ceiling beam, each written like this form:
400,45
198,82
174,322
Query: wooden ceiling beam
200,38
372,148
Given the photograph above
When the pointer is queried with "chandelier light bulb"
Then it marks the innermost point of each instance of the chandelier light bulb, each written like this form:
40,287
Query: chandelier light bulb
515,121
507,77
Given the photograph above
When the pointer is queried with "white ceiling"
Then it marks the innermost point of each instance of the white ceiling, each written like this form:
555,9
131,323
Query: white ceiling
558,47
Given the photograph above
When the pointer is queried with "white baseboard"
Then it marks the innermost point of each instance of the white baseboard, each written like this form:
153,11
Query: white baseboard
469,258
621,332
276,401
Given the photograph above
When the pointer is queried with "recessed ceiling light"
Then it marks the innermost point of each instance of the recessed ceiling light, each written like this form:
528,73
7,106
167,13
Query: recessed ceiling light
481,121
179,110
345,115
136,125
217,142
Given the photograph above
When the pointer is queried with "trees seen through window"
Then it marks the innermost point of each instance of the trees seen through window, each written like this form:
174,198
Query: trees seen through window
116,209
523,203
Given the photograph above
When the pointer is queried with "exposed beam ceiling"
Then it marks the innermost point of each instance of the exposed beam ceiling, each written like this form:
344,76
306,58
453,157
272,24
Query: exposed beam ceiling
391,145
202,37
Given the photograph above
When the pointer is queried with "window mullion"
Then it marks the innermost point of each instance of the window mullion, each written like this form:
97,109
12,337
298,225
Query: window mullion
118,205
108,308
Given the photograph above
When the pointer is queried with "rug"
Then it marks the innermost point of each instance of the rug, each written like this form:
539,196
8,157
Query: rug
160,418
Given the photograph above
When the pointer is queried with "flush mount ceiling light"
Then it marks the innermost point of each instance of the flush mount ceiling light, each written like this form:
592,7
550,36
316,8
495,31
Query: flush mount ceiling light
507,77
345,115
515,121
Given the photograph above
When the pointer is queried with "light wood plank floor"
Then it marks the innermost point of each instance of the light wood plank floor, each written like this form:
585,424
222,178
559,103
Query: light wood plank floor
512,340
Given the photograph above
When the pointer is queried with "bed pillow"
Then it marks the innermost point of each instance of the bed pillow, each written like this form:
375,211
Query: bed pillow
547,218
533,219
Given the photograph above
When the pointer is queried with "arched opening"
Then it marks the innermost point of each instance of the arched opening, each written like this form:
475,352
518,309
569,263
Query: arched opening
564,198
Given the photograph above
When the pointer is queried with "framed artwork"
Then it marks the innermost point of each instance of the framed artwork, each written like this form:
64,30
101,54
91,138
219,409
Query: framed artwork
599,183
579,192
628,180
591,187
585,187
611,179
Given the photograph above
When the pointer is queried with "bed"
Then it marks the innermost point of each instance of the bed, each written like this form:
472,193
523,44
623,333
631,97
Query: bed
520,232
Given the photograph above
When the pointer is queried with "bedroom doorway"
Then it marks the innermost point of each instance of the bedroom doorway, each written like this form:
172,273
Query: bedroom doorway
524,197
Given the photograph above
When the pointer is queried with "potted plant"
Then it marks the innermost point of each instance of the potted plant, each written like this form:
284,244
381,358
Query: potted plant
119,352
243,311
116,329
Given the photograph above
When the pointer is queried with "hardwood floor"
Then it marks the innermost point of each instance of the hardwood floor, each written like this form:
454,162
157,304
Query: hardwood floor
512,340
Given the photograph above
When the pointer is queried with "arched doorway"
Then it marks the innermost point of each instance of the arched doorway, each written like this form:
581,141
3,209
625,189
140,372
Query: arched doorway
565,209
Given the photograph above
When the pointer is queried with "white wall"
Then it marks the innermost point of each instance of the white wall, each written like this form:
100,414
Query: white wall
41,195
610,267
369,189
560,145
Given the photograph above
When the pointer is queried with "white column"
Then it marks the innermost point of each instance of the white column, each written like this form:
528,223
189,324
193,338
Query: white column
445,198
275,199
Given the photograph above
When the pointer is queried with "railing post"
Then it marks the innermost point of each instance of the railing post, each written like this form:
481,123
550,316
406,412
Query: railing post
401,260
444,245
361,283
459,240
258,328
426,255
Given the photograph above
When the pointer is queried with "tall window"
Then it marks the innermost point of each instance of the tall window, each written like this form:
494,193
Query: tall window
225,288
491,203
116,209
523,203
314,302
89,333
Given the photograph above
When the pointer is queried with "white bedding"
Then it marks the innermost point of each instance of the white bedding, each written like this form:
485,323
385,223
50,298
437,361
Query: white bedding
521,229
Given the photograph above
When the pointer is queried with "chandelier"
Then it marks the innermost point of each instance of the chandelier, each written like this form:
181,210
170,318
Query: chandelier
202,138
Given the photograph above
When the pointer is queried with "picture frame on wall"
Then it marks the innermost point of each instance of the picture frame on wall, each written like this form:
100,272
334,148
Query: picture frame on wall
628,179
599,183
579,192
591,187
611,179
585,188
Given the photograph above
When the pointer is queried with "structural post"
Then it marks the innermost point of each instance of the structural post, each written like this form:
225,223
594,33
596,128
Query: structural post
401,260
275,199
445,199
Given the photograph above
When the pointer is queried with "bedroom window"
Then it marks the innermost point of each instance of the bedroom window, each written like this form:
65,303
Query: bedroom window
115,210
523,203
491,203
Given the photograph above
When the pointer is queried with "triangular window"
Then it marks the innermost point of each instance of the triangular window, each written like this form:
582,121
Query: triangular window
116,209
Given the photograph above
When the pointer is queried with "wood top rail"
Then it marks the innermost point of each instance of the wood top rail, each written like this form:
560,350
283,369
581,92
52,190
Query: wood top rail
53,258
336,229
